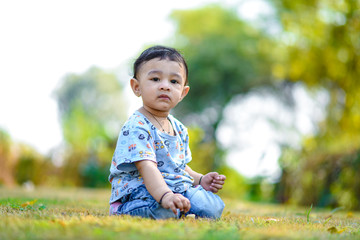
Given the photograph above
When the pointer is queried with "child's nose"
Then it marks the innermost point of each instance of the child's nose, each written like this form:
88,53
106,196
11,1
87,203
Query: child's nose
164,85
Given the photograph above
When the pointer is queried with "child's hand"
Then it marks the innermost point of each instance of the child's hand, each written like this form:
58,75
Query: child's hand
176,201
213,182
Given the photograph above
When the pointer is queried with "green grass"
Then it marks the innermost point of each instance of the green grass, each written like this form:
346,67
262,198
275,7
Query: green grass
83,214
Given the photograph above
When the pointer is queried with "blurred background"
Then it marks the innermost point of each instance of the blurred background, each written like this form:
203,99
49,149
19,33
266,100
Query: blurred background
274,101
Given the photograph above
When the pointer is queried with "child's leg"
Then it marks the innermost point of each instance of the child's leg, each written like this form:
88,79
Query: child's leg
142,204
204,203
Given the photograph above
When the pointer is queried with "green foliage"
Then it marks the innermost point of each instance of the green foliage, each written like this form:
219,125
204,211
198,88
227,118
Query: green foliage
329,180
308,214
32,166
322,49
92,111
235,186
322,42
20,163
225,57
202,152
91,107
7,159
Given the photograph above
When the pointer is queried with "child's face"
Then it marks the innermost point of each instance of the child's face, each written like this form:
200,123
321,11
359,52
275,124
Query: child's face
160,83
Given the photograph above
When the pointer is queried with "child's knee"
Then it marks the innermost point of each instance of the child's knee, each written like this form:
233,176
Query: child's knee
206,204
214,209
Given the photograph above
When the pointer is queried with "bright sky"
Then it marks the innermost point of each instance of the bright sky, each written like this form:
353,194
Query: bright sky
42,41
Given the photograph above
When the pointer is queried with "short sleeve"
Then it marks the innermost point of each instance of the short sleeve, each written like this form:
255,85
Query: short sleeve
134,144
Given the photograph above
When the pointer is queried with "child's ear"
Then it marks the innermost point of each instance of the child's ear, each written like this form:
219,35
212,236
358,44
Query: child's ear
134,83
184,92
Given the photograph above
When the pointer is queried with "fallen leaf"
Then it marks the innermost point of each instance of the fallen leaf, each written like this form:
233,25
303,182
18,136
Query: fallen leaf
332,230
29,203
271,220
62,223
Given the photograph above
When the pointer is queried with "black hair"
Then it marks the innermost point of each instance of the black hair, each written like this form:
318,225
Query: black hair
161,52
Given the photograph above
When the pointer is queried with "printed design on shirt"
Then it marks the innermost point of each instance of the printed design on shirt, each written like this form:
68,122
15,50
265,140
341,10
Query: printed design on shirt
186,139
146,154
178,187
113,161
142,136
160,163
147,121
125,187
127,160
132,147
167,143
159,145
126,133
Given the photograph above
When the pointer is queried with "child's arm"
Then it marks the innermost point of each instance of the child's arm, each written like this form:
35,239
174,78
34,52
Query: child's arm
157,187
212,181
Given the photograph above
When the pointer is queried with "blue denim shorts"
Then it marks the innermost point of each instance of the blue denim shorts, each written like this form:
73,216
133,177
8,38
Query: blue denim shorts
204,204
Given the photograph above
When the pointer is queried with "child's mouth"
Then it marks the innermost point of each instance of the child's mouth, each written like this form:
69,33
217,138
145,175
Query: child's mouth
163,96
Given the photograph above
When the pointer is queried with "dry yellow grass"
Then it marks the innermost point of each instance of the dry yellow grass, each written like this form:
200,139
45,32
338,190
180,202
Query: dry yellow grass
83,214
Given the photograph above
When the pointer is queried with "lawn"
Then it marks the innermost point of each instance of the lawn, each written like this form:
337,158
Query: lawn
83,214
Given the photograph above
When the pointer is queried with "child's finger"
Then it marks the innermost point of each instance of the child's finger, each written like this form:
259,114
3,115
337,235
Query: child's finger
217,186
173,208
218,182
185,205
221,178
213,189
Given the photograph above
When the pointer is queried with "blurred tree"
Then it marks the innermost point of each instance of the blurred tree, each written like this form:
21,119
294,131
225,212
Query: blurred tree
226,57
322,42
321,46
202,153
92,109
32,166
7,159
20,163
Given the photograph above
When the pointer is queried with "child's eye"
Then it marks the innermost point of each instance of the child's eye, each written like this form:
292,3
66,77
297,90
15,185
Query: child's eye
174,81
155,79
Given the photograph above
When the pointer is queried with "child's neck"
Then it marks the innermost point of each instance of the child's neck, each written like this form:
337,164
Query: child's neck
154,113
160,121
